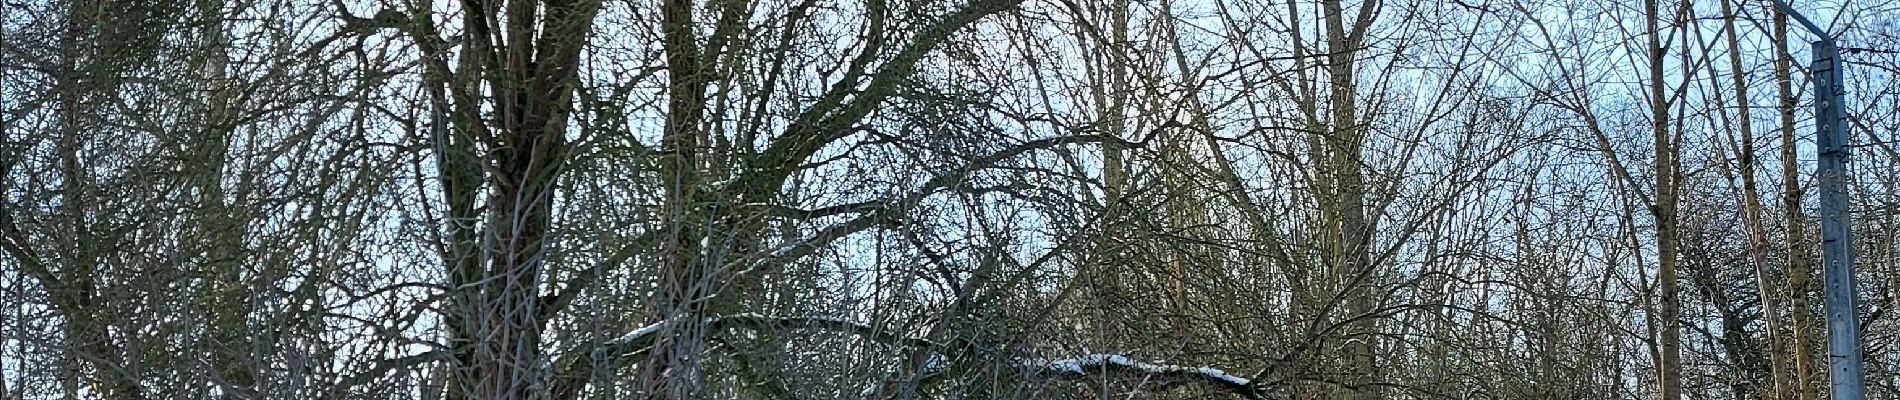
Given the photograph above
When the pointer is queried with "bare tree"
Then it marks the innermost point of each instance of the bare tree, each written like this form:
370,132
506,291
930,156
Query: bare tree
878,199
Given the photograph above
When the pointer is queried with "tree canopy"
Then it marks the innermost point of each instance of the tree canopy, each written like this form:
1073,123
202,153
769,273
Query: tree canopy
932,199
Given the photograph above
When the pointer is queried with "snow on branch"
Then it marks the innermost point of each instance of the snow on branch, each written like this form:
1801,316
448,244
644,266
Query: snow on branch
638,334
643,338
1079,367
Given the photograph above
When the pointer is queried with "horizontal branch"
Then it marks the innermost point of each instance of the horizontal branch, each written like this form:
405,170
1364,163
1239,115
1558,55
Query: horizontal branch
1080,367
640,340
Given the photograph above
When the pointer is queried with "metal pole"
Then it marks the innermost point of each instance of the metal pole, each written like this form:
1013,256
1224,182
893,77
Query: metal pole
1837,239
1846,379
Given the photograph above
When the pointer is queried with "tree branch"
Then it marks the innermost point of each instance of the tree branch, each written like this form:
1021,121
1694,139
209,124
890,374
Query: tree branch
575,373
1081,366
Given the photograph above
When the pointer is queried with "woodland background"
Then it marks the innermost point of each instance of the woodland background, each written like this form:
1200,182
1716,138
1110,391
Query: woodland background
986,199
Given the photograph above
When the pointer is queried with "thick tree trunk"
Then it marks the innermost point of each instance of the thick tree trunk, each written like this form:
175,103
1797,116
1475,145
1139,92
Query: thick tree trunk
1350,254
514,158
672,369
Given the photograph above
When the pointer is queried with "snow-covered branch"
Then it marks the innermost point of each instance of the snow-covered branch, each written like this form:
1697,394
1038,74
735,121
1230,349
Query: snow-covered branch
639,340
1080,366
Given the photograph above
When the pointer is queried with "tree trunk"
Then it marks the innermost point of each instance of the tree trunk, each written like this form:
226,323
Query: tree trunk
1350,255
220,228
672,370
1752,220
1800,267
1669,366
496,269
